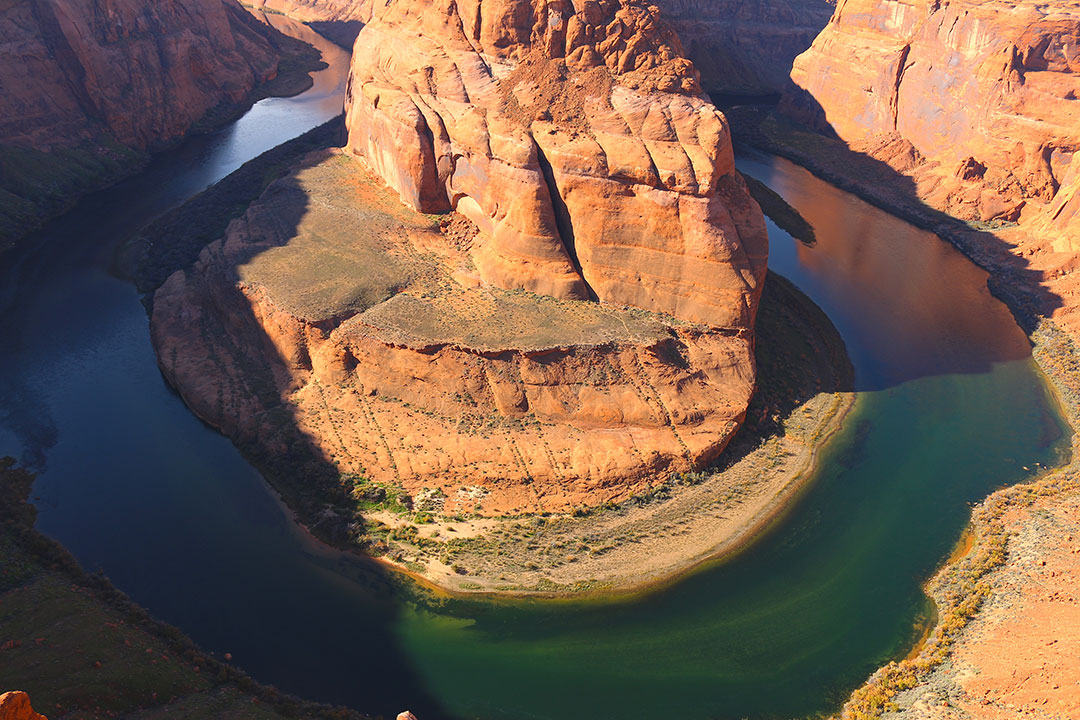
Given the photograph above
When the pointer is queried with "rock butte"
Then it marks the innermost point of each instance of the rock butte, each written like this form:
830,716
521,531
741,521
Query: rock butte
976,101
469,357
746,46
15,705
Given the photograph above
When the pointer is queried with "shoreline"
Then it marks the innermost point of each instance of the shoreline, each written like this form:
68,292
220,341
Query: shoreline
297,61
684,524
43,577
645,535
829,159
967,590
979,577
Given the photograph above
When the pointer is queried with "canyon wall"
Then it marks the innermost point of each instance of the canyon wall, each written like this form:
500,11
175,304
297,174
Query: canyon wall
976,101
579,144
550,302
86,86
746,47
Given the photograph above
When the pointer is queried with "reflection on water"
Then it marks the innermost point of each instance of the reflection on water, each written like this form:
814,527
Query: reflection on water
45,311
132,483
908,304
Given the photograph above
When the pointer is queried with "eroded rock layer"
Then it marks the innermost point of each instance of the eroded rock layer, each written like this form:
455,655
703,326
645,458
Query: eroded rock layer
330,308
142,71
575,328
318,10
577,142
976,101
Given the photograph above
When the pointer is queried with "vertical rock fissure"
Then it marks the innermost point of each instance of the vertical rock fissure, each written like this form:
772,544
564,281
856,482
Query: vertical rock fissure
564,224
894,100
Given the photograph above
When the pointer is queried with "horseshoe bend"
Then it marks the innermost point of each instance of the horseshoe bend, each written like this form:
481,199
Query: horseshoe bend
528,282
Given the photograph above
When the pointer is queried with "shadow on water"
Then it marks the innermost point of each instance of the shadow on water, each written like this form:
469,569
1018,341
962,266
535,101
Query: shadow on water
931,310
134,485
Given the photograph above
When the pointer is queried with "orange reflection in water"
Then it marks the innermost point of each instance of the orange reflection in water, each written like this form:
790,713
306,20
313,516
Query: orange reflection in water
907,303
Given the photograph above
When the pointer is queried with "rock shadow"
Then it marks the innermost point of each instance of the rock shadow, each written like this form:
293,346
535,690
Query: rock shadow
907,306
329,633
340,32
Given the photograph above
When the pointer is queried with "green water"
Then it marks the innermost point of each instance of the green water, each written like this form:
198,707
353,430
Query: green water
950,407
789,625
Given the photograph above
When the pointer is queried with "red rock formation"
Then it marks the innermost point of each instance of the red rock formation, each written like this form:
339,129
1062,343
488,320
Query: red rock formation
472,362
578,143
16,706
399,365
318,10
143,72
976,100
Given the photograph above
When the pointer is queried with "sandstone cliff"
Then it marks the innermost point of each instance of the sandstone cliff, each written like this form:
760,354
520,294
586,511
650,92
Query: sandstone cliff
574,160
16,706
367,325
746,47
975,101
86,86
578,143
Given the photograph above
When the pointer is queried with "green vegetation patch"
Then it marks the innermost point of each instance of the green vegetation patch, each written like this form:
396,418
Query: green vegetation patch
36,185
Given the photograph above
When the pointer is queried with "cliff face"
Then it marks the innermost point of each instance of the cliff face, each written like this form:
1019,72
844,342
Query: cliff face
331,309
87,85
977,101
578,143
573,159
143,72
746,46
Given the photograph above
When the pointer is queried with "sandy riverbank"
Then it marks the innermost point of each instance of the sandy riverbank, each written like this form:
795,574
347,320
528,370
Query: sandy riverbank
1008,629
803,397
1008,611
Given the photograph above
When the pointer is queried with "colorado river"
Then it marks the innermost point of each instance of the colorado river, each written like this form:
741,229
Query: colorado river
950,407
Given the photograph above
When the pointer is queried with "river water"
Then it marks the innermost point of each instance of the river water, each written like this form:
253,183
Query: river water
950,407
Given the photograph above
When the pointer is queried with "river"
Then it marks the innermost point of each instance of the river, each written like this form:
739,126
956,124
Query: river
950,407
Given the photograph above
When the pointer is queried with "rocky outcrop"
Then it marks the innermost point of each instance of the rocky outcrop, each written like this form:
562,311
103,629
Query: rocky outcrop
15,705
88,85
976,101
577,142
330,309
746,47
576,327
318,10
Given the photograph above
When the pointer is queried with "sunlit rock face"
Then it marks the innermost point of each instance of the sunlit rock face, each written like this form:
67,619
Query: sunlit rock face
15,705
528,283
578,142
318,10
977,100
